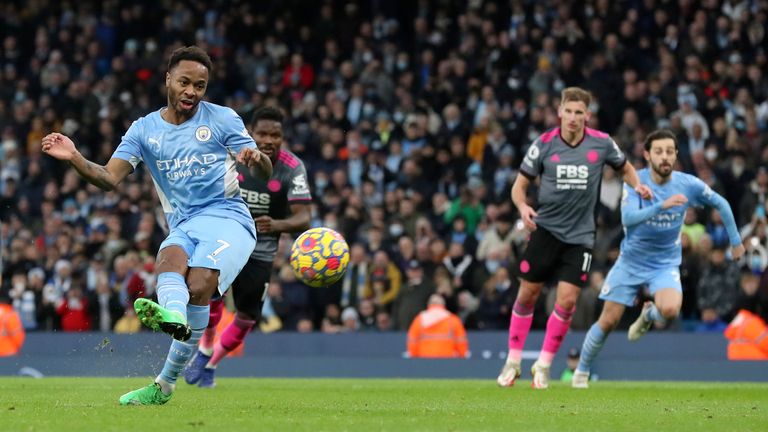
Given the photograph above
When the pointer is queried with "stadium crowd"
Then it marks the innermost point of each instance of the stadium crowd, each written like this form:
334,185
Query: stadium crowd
411,117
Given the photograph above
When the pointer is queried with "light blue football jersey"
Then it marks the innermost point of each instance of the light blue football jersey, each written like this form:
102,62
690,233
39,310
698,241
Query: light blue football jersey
193,164
652,234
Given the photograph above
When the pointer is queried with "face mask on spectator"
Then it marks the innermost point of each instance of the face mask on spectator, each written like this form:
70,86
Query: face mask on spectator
395,230
737,168
710,154
492,265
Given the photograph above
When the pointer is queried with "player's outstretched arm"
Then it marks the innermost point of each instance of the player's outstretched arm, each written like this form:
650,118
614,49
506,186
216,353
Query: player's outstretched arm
633,212
259,164
106,177
721,204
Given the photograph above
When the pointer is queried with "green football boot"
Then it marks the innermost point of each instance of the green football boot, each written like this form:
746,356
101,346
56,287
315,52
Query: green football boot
159,318
149,395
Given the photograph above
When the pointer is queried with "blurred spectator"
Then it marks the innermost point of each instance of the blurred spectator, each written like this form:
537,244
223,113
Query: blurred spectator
753,295
570,365
754,200
396,118
499,235
73,310
104,305
467,308
437,333
350,320
332,322
412,297
11,331
691,227
367,315
128,323
496,300
468,206
384,281
717,290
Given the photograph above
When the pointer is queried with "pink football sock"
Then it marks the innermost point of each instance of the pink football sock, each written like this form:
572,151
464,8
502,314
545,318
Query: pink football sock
519,327
557,327
231,338
206,342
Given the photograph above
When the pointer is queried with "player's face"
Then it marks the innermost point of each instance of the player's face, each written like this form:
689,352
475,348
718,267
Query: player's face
186,84
573,116
662,156
268,135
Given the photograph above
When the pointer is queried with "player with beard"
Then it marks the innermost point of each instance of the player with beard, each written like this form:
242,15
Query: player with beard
191,149
277,205
651,250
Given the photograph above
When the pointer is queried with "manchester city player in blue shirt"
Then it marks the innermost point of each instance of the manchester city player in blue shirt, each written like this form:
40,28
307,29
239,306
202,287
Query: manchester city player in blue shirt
191,149
651,250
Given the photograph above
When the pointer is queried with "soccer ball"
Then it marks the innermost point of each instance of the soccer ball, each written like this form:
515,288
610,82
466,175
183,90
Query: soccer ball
319,257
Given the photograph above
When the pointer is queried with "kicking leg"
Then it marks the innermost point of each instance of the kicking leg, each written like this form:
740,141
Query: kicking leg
202,284
170,313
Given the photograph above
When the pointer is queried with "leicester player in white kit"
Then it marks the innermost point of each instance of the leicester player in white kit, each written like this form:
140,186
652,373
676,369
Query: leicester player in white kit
569,160
279,204
651,251
191,149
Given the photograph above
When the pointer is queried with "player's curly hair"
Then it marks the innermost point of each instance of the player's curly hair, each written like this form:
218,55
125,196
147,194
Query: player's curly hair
267,113
659,134
192,53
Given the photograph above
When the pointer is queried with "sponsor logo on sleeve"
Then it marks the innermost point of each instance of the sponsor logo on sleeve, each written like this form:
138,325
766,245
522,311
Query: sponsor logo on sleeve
300,185
531,155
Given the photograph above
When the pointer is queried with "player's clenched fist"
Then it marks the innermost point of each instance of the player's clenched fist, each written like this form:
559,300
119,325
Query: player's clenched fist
58,146
249,157
674,200
263,224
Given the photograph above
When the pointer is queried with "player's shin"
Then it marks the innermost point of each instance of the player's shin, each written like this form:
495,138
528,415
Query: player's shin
593,343
231,338
557,327
181,352
209,335
519,327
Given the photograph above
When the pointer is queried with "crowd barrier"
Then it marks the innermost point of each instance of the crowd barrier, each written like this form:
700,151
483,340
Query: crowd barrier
658,356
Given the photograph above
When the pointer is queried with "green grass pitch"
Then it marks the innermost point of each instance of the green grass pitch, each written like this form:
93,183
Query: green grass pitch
90,404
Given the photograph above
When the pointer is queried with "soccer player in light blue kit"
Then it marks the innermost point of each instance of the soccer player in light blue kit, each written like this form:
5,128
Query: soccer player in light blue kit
651,251
191,149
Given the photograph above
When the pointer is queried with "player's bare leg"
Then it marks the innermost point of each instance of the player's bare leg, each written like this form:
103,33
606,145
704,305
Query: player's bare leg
594,340
666,306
